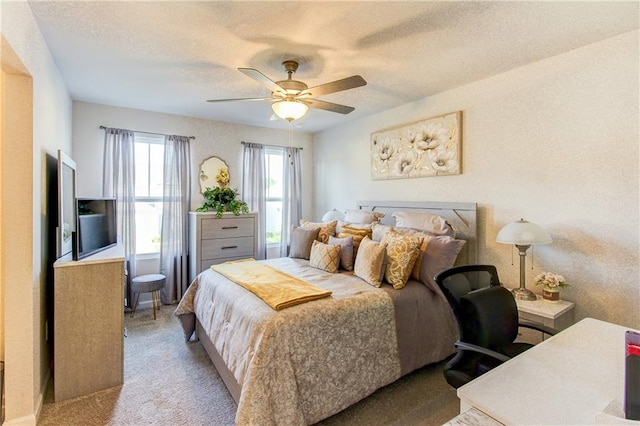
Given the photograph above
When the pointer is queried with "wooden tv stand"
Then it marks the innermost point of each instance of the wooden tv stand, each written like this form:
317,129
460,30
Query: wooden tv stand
88,315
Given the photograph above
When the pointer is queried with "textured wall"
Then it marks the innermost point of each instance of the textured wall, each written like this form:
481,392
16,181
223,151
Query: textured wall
212,138
41,108
555,142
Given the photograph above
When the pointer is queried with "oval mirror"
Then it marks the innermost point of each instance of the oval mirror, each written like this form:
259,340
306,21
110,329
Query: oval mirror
210,172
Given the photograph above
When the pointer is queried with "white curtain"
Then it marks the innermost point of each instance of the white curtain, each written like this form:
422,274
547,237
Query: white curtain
176,201
254,188
292,196
119,183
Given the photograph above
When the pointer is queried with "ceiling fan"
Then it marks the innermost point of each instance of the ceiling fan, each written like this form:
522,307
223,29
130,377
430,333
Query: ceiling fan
292,98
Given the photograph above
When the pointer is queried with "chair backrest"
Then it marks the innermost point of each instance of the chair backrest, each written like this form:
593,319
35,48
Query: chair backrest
460,280
489,317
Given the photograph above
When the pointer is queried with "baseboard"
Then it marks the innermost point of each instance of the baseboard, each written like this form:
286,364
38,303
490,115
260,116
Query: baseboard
43,393
143,304
29,420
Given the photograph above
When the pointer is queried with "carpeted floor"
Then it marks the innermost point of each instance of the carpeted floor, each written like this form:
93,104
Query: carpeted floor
170,382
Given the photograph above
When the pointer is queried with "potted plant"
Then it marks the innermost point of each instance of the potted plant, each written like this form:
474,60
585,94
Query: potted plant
222,199
552,284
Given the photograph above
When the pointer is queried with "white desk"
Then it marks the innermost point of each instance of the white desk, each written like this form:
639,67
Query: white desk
568,379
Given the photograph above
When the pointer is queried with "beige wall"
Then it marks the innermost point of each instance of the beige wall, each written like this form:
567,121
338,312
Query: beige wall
211,138
555,142
40,124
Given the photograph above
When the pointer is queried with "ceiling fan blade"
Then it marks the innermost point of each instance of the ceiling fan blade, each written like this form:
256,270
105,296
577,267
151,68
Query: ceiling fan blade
336,86
328,106
240,99
261,78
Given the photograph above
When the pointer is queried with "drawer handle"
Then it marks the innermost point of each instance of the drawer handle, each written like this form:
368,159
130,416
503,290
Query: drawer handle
229,247
229,227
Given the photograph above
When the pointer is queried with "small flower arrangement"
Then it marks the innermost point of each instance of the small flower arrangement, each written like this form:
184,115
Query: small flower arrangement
551,281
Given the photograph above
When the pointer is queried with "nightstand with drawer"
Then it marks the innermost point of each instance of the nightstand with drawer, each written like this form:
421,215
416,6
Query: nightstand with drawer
214,240
558,315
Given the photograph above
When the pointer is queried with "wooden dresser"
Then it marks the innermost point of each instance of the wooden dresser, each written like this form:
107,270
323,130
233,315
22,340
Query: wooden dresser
88,316
215,240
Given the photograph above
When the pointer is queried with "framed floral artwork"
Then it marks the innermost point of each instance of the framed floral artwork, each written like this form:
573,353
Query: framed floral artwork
429,147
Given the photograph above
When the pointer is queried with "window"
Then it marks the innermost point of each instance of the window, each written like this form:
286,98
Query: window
274,159
149,186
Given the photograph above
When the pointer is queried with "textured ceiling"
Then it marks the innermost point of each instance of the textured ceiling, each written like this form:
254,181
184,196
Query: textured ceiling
172,56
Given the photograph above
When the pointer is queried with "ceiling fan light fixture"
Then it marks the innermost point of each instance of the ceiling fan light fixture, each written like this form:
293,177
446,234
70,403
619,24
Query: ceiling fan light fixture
289,110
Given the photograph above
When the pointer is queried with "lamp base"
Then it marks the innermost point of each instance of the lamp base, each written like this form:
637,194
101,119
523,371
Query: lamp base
523,294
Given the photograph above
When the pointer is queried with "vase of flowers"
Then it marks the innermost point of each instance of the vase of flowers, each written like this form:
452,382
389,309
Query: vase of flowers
552,283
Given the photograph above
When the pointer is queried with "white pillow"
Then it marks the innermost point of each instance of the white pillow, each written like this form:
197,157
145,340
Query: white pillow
362,216
423,221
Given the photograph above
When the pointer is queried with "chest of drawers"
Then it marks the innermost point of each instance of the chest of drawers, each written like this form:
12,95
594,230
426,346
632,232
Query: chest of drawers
214,240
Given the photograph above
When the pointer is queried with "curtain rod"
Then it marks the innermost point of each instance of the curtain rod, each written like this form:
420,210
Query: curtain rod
275,146
151,133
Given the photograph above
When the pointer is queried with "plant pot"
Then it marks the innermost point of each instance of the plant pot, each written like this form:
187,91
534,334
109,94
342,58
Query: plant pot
551,295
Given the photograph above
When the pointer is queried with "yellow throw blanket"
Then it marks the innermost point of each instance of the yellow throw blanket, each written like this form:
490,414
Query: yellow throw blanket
276,288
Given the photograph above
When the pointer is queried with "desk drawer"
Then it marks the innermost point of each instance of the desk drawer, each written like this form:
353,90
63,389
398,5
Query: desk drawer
227,227
228,247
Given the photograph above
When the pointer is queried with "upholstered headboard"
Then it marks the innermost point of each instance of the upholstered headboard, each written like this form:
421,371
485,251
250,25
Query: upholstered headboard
461,216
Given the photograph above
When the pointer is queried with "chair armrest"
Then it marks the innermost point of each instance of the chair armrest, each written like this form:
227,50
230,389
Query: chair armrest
539,327
475,348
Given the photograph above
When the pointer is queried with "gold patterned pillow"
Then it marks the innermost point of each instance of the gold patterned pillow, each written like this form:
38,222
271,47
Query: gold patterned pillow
327,229
426,237
357,233
370,261
402,251
325,256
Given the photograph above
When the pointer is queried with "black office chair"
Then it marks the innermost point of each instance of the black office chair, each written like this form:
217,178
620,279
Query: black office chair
487,318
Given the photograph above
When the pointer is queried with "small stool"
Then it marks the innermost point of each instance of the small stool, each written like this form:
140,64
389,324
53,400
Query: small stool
151,283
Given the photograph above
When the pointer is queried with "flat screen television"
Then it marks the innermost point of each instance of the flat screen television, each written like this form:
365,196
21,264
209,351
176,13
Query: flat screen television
96,229
66,226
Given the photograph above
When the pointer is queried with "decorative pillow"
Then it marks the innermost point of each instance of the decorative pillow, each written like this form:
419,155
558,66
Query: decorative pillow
357,233
353,225
362,216
346,251
441,254
426,237
402,251
326,228
370,261
428,222
301,240
379,231
325,256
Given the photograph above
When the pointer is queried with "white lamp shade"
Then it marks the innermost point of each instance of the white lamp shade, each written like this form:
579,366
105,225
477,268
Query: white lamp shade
289,110
523,232
332,215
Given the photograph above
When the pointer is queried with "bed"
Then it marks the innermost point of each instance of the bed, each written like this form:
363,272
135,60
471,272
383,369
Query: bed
302,364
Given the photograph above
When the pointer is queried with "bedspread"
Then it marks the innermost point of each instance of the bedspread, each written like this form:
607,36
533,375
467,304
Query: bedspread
307,362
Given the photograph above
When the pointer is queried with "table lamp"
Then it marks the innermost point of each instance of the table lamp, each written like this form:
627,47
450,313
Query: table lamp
523,234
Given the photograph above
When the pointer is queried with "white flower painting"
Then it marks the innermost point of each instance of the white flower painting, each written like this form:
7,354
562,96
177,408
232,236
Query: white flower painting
427,148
